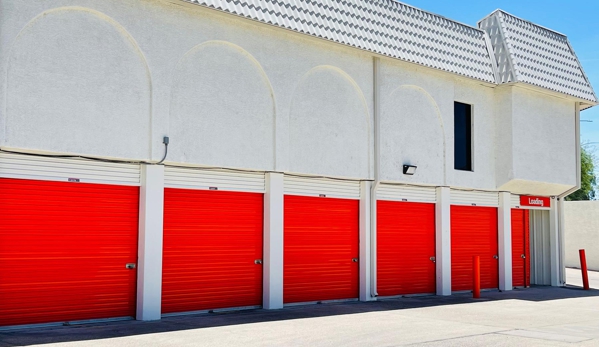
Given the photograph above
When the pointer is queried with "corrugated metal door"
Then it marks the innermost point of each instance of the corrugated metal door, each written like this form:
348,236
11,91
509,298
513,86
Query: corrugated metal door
405,246
540,260
320,249
474,232
212,240
64,249
520,248
527,265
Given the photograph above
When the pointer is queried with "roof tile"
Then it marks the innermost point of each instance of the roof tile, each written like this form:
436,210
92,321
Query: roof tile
529,53
381,26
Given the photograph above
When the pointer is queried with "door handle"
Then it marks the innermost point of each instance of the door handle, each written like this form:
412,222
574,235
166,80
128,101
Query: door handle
258,261
495,256
522,256
130,266
433,259
355,260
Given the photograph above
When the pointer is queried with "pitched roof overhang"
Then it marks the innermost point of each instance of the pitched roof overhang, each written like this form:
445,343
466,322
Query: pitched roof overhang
531,54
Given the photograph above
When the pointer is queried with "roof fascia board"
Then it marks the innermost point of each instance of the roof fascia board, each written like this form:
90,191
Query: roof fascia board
532,87
427,68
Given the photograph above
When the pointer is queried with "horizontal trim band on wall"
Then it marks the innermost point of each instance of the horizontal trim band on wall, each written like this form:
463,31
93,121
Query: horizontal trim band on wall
68,169
333,188
39,167
395,192
216,179
474,198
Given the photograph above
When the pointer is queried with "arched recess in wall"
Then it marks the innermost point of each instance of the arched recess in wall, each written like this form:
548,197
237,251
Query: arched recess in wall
222,109
78,83
329,127
412,132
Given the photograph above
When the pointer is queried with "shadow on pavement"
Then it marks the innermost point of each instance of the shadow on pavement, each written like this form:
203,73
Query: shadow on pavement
87,332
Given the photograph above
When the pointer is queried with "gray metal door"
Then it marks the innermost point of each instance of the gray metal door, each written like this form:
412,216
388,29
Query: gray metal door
540,273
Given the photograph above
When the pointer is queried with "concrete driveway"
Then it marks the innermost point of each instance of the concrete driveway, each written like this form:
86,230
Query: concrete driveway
540,316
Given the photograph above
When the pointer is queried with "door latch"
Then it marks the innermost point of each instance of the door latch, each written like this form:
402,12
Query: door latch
495,256
130,266
433,259
522,256
355,260
258,261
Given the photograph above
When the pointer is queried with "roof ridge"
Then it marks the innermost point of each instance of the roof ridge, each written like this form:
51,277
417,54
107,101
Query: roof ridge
435,14
522,19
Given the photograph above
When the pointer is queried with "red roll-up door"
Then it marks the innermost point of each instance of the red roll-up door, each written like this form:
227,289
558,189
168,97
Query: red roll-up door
520,248
474,232
64,249
212,240
405,245
320,249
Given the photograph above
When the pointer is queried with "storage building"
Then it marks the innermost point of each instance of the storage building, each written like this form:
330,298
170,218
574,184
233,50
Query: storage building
162,157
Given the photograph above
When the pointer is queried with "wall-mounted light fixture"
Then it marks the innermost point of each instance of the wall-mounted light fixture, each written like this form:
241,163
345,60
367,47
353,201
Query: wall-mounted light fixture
409,169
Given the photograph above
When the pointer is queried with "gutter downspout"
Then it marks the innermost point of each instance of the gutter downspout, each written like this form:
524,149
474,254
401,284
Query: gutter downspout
561,197
377,182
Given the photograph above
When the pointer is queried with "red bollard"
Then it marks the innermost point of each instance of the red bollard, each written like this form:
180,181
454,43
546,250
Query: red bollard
476,276
583,268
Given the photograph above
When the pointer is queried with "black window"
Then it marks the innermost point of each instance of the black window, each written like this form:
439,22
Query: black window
462,134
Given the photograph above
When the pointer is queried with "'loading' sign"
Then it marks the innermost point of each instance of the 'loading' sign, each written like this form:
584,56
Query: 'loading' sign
535,201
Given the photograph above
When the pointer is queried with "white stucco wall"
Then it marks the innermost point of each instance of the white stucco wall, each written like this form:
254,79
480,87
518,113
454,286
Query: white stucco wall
228,92
581,231
544,139
76,82
536,152
221,95
111,78
417,126
413,105
483,129
504,162
329,127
